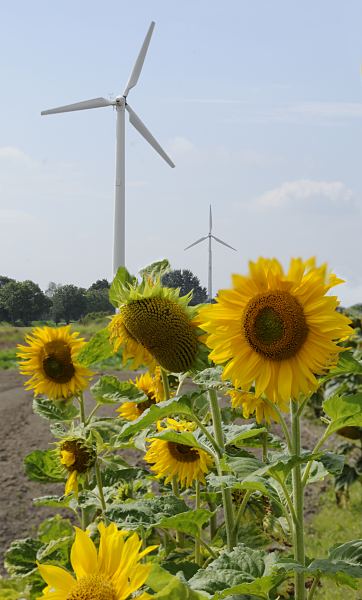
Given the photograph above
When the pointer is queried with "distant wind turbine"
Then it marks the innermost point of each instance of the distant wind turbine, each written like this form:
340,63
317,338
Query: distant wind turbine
121,104
209,236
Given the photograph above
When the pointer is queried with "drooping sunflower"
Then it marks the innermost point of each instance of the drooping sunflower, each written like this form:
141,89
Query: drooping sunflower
51,361
171,459
276,329
155,326
77,456
252,404
151,386
114,573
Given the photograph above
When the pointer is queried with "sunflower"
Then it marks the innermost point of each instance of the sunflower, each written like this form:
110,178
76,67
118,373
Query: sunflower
276,330
113,574
170,459
77,456
251,404
51,360
152,387
155,326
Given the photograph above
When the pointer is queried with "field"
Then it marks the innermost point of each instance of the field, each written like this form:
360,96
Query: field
23,432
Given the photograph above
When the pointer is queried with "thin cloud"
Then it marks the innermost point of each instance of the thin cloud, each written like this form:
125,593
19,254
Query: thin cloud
309,195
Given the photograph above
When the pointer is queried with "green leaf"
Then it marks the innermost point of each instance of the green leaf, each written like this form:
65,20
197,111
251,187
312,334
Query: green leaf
54,410
110,390
13,589
20,558
145,513
122,279
333,463
181,437
347,365
44,466
236,434
343,411
243,466
56,551
176,406
210,378
241,565
169,587
258,588
97,349
155,269
190,522
53,501
53,528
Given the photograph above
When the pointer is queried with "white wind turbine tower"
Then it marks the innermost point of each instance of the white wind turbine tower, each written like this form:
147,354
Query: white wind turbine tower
210,236
121,105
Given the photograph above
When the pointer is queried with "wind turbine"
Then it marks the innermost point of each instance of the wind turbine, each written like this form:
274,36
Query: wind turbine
210,236
121,105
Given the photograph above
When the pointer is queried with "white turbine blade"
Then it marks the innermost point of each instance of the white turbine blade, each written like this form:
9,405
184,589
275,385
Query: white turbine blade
197,242
210,220
136,71
142,129
94,103
224,243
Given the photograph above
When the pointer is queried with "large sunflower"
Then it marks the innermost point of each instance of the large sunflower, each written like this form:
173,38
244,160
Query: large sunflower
51,360
275,329
151,386
78,457
113,574
170,459
154,326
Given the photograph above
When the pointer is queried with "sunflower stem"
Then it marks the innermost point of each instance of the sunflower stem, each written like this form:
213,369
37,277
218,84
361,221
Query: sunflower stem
82,409
283,423
166,385
100,486
241,511
176,492
314,586
265,446
298,502
197,539
93,412
226,493
207,434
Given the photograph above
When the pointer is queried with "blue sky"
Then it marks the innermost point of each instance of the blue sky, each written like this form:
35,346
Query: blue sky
258,103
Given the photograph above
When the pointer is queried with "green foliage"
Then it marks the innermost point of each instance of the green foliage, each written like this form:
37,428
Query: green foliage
145,513
54,410
21,556
110,390
44,466
344,411
97,349
187,282
168,587
69,303
190,522
122,279
8,359
230,569
156,269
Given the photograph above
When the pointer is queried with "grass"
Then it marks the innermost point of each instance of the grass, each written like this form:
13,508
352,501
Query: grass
330,526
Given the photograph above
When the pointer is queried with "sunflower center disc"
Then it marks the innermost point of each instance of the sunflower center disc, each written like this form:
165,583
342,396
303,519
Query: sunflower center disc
57,363
274,325
164,329
93,587
183,453
142,406
84,456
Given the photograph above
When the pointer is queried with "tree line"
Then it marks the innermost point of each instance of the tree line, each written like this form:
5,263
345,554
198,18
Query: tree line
22,302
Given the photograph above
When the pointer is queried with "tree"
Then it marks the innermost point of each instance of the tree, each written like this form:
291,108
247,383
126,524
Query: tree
186,281
23,301
4,280
100,284
98,300
69,303
52,288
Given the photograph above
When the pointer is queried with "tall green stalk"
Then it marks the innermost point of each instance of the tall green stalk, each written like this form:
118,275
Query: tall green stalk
197,540
298,502
226,493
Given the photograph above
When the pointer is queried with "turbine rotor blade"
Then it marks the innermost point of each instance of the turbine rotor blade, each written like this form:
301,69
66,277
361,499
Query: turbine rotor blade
93,103
136,71
142,129
223,243
197,242
210,220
